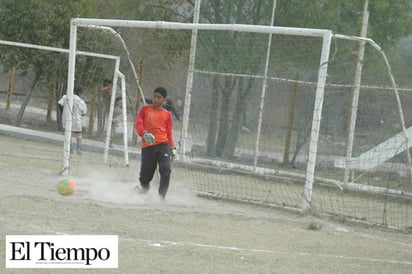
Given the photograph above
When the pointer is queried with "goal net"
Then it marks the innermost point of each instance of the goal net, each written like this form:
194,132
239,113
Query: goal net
291,117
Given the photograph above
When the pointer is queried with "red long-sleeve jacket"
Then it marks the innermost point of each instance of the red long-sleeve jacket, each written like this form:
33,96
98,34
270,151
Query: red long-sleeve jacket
158,122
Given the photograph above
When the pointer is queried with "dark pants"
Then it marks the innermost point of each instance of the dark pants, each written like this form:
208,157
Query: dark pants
151,156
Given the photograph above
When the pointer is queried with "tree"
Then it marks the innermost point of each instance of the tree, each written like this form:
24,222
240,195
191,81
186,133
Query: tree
386,21
339,16
45,23
223,136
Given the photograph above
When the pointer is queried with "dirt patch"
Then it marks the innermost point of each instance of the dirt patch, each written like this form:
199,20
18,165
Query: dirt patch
186,234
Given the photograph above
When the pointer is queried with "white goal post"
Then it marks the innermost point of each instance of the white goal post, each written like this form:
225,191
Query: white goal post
109,129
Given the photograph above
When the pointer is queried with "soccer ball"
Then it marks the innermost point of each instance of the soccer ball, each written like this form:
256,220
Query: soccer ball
66,186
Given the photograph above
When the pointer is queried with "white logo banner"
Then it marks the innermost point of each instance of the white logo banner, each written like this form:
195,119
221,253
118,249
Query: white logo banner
61,251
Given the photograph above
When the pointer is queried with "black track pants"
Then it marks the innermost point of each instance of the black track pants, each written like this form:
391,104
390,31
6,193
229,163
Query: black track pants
151,157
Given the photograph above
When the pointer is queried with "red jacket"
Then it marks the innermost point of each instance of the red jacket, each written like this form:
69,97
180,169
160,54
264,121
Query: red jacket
156,121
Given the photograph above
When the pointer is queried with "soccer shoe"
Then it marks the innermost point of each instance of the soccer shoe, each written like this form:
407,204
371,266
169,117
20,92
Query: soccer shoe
140,190
162,193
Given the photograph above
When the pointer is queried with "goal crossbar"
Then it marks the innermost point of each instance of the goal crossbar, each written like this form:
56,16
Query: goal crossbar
33,46
85,22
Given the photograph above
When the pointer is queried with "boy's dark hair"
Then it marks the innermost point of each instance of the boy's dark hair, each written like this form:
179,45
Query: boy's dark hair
77,90
107,82
161,90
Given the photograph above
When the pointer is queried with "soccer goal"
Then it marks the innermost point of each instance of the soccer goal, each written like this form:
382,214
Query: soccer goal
117,75
267,114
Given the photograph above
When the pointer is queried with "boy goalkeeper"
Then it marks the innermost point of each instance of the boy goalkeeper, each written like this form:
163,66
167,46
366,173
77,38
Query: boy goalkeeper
154,125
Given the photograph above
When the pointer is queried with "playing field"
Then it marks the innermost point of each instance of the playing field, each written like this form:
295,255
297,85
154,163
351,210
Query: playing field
186,233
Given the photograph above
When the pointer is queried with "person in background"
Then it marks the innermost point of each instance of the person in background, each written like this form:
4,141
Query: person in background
154,124
104,99
78,111
103,104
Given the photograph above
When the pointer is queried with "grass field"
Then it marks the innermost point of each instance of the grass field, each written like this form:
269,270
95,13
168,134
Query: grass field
186,233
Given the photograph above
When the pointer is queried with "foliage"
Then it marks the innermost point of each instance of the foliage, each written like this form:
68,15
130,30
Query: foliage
46,22
386,20
39,22
220,54
343,17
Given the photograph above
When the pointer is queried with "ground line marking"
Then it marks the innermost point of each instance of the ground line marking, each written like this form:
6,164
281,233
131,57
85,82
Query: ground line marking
252,250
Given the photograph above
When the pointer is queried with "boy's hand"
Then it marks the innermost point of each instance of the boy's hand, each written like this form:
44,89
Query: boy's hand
148,138
173,152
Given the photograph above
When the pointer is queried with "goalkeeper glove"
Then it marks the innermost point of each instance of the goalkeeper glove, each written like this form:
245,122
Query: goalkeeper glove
148,138
173,152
